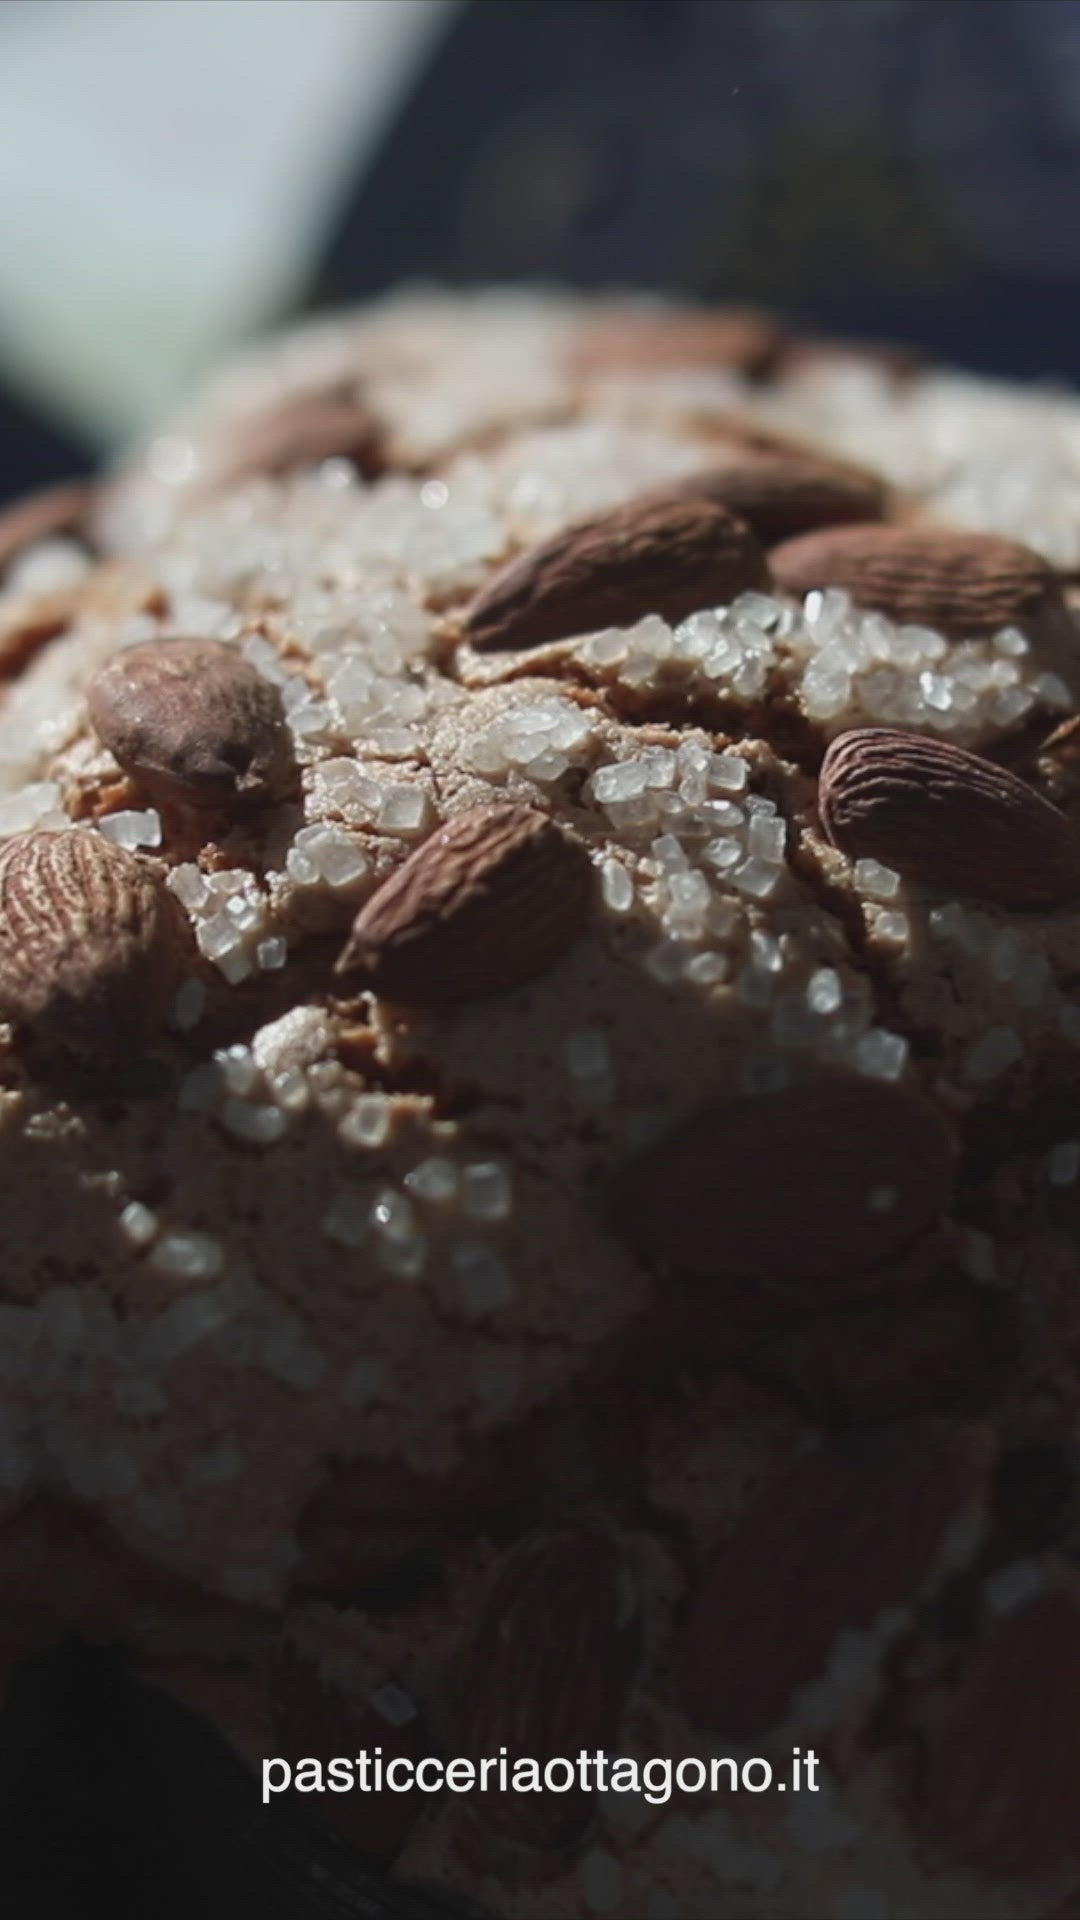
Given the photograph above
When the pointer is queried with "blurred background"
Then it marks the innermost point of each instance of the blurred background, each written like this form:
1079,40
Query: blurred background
176,175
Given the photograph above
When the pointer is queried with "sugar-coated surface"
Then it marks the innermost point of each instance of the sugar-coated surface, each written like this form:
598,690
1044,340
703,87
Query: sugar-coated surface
336,1230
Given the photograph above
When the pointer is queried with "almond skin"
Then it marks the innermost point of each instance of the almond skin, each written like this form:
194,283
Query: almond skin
734,339
194,723
946,819
670,552
493,898
960,583
546,1672
301,432
853,1528
998,1787
782,494
769,1202
93,946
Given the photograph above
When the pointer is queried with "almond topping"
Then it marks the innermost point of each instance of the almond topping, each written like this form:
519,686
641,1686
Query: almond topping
93,946
670,552
194,722
946,819
493,898
960,583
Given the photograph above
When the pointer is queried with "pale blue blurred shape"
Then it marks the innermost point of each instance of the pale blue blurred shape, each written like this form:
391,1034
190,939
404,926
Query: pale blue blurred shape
169,170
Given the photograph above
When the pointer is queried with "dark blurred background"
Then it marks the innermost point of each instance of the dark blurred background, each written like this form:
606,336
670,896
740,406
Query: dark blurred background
177,174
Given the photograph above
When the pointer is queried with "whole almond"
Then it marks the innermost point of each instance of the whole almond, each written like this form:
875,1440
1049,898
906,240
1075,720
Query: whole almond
732,339
794,1200
669,552
855,1528
997,1785
53,513
546,1672
960,583
494,897
317,1716
93,946
324,424
946,819
194,722
781,494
